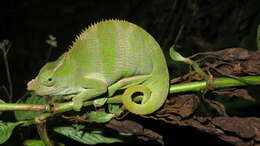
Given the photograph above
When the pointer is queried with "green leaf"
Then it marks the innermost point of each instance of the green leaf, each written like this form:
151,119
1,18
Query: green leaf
177,56
1,101
115,109
27,115
33,142
258,38
86,136
99,117
99,102
6,129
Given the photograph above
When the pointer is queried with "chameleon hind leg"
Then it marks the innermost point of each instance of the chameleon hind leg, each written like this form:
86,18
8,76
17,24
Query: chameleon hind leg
127,82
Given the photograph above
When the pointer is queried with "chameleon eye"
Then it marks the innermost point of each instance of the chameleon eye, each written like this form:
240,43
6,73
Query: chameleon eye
46,76
49,82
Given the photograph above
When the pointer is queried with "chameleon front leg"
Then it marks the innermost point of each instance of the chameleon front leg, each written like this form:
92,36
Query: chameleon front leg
92,87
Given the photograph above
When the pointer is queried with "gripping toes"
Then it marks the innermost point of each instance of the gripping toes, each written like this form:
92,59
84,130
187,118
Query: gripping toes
77,104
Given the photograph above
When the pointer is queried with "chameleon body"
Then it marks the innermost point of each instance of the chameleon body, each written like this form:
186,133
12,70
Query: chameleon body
108,56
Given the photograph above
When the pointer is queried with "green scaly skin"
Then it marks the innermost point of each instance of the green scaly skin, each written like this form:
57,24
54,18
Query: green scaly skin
109,56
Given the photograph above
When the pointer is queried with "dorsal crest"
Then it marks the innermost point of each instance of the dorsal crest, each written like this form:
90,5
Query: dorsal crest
82,36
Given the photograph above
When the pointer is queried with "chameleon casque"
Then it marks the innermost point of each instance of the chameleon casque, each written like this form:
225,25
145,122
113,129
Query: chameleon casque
108,56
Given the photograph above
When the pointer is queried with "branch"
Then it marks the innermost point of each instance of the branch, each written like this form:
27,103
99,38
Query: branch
177,88
217,83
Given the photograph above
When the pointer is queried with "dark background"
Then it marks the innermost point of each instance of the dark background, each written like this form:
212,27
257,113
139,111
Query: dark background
209,25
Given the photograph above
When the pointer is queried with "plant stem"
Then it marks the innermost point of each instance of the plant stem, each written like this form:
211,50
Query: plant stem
42,130
21,106
8,78
177,88
217,83
5,46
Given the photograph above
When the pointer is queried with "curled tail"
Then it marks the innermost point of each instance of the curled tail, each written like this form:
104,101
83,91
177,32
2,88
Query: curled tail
154,90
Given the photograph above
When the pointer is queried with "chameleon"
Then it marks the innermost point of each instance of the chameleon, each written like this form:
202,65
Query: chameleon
106,57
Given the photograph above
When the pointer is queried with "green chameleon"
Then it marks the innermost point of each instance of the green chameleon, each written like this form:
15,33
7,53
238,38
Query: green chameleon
106,57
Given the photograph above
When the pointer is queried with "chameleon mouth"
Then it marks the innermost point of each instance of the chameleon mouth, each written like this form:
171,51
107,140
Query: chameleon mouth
67,93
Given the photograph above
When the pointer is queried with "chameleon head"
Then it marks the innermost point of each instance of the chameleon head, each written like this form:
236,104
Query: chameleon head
46,82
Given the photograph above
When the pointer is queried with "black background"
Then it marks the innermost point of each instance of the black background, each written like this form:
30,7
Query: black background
27,24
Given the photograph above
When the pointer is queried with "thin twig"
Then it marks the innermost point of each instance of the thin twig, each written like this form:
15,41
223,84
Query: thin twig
5,90
42,130
5,46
